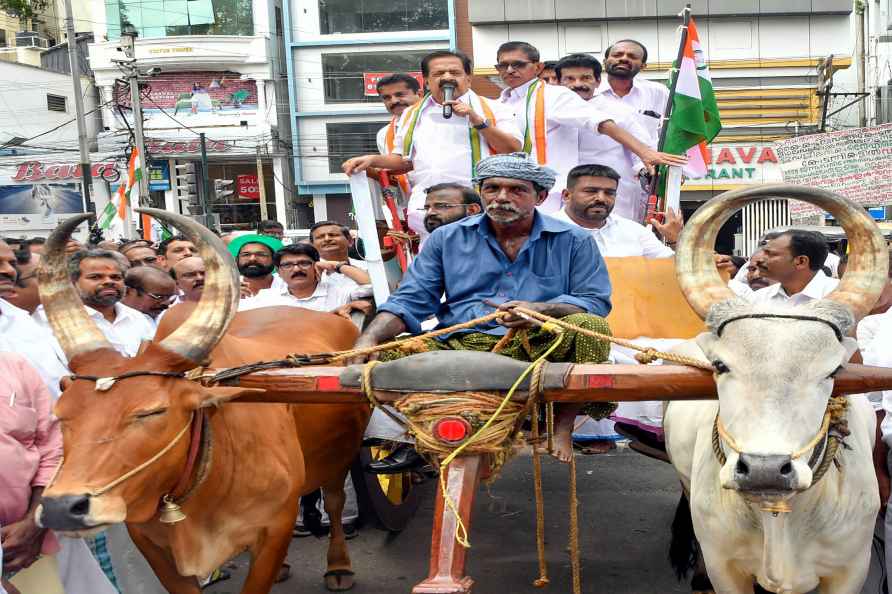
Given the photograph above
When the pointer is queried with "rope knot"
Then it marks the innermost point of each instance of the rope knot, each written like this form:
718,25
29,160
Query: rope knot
647,356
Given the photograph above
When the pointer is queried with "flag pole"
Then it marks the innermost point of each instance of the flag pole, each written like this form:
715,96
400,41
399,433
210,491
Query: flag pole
655,203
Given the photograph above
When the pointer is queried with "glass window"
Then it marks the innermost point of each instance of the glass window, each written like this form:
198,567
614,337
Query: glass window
350,140
373,16
343,73
164,18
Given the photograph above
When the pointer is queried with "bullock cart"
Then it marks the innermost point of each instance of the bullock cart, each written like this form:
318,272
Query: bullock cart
453,434
650,305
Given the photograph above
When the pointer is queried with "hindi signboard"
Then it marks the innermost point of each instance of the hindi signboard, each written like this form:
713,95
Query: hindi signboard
856,163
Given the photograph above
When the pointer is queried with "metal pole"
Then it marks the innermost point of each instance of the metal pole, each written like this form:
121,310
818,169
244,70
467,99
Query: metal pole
206,194
86,175
261,186
860,63
139,139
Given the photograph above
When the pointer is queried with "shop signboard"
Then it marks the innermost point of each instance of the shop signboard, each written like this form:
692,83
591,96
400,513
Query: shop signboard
737,164
370,81
856,163
159,176
247,187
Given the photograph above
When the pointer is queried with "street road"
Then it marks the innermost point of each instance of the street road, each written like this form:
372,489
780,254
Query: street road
627,503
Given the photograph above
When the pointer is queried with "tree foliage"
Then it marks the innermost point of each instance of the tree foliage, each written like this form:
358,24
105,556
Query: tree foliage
24,9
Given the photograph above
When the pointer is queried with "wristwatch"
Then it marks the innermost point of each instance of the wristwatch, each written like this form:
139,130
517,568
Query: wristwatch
339,266
482,125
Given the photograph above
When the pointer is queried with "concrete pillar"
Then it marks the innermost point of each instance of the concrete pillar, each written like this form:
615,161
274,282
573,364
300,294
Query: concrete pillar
281,193
320,207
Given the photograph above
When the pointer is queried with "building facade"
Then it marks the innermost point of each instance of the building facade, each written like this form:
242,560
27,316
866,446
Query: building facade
336,51
207,66
40,180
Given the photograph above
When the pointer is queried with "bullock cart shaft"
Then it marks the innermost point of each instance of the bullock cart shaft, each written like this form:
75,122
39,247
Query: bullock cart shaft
582,383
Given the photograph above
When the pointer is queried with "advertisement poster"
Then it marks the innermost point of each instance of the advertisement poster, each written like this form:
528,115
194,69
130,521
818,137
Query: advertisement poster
39,205
200,98
856,163
159,176
246,187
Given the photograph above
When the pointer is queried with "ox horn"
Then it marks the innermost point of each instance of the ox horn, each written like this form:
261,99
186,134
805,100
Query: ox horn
199,334
76,332
859,289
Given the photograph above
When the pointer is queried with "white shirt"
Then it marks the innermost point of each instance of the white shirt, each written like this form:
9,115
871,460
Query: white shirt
645,95
381,140
566,113
620,238
740,289
441,149
818,287
19,333
125,334
600,149
328,296
339,278
874,334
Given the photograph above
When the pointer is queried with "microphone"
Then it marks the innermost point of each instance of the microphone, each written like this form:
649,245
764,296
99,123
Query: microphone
448,93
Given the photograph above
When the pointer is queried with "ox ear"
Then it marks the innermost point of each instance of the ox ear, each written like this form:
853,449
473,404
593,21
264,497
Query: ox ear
220,395
706,341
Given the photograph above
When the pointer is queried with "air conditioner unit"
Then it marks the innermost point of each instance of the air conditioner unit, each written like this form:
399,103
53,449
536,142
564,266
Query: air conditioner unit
31,39
884,103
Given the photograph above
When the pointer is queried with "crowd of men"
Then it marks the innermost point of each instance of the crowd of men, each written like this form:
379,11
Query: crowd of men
518,200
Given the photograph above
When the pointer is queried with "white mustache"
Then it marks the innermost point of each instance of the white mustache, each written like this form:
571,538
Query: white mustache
502,207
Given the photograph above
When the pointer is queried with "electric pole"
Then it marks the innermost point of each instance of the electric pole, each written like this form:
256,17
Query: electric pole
261,187
128,41
82,140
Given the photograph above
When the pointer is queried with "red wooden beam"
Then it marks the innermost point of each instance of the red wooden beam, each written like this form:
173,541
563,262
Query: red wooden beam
585,383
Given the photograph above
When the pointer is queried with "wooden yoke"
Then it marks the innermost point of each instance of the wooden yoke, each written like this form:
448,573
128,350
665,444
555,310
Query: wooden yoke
584,383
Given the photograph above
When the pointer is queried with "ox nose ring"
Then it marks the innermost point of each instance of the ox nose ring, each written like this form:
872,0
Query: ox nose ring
65,513
754,472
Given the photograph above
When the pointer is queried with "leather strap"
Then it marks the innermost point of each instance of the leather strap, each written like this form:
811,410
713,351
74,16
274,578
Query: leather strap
183,485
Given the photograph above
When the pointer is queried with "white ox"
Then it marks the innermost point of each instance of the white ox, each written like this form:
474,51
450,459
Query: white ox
774,376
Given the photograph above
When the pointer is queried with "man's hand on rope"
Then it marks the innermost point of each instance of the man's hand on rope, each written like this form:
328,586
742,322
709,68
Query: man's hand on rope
515,319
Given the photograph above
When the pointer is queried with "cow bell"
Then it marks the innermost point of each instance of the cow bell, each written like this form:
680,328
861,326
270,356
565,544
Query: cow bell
171,513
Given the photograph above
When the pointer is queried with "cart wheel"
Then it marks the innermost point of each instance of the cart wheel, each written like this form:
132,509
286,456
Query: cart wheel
388,501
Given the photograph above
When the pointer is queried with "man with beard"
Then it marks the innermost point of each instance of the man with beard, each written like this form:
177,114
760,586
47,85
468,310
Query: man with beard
551,118
513,256
623,61
589,201
432,148
98,275
149,290
304,285
189,276
253,255
581,74
447,203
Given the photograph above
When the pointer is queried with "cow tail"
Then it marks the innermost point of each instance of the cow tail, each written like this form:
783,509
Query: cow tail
683,544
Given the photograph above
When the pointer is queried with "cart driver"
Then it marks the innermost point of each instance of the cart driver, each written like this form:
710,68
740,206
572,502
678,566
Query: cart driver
510,255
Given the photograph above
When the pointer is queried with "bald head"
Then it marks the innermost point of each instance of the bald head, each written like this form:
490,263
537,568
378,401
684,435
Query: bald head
189,275
149,290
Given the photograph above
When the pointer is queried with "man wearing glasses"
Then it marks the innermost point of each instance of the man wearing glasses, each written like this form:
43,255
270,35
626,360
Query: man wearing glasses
550,118
447,203
305,285
149,290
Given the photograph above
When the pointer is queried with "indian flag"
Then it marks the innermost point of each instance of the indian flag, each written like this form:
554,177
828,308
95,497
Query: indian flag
694,120
114,216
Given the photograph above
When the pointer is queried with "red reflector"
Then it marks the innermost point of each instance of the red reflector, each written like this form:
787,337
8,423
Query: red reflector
451,429
329,384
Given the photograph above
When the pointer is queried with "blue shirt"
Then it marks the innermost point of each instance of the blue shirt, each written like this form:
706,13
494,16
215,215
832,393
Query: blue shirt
463,260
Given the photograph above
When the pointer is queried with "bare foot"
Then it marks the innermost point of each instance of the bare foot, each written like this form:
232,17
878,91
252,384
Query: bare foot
564,417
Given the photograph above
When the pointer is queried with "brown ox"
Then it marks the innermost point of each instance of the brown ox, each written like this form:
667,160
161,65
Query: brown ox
128,448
